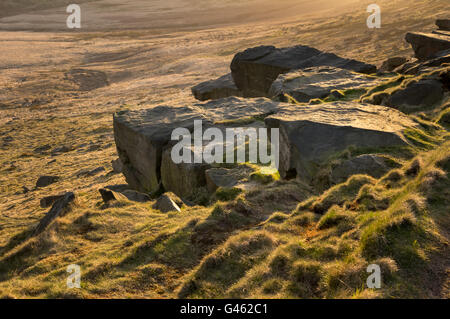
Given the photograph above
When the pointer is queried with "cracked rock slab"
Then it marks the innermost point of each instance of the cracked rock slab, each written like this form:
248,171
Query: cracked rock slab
309,135
255,69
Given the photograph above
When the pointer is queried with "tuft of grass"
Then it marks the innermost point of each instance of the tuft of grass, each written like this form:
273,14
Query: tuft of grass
223,267
341,193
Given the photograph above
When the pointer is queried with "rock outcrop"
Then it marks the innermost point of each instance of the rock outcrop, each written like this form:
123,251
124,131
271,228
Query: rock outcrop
216,89
254,70
317,82
142,137
184,178
309,135
426,45
117,166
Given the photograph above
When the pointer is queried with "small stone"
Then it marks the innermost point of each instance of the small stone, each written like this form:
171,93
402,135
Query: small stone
109,195
117,166
94,147
45,181
165,204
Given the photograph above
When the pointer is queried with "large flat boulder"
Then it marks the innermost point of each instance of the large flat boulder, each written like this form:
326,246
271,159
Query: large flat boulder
142,136
254,70
216,89
426,45
317,82
310,134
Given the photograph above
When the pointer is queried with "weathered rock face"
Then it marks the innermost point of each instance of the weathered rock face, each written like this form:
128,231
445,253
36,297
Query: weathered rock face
392,63
184,178
417,95
254,70
117,166
216,89
425,45
443,24
143,136
310,134
317,82
367,164
140,137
